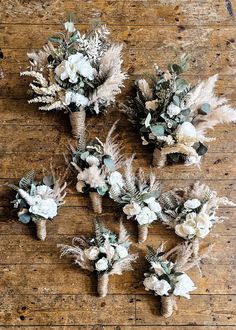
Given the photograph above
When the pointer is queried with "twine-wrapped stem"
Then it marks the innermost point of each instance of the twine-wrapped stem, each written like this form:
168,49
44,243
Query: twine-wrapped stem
156,157
41,229
96,200
168,305
103,281
196,246
142,233
77,121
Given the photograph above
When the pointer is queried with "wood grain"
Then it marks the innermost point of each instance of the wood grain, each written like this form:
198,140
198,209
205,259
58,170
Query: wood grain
38,290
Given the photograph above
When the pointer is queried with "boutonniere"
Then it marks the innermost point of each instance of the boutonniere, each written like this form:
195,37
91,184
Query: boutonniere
174,117
138,195
192,212
76,73
167,275
97,164
38,201
105,254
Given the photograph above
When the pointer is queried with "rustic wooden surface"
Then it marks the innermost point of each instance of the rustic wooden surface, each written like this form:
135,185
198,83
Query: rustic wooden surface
38,289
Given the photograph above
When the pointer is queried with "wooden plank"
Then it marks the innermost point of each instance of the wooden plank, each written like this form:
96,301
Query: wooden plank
117,327
57,139
113,12
187,38
200,310
47,310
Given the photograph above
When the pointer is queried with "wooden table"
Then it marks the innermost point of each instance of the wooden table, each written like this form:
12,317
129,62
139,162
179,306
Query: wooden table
38,289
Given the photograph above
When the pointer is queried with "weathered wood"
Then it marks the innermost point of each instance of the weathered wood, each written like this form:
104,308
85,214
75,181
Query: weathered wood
66,309
148,12
214,310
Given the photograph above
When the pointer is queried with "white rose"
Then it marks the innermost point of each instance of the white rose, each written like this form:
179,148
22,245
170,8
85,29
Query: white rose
116,178
150,282
187,229
173,110
78,99
43,190
69,26
192,203
203,224
146,216
184,286
131,209
185,130
153,205
92,252
92,160
76,64
46,208
101,264
121,251
162,287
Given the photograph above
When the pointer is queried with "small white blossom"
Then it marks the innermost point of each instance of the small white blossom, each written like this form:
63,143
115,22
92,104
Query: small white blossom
183,286
46,208
153,205
193,160
69,26
121,251
75,65
92,160
92,176
173,110
146,216
43,190
161,287
195,225
192,203
92,252
78,99
132,209
101,264
186,130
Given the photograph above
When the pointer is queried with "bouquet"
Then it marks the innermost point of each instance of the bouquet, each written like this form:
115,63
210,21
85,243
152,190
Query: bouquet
76,73
174,116
138,194
191,211
38,201
167,276
96,164
105,254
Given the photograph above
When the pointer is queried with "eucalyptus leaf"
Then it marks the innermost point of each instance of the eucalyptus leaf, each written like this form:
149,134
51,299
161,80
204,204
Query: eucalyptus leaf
201,149
154,194
84,155
176,100
147,120
205,109
102,190
181,84
109,163
55,39
48,180
25,218
185,112
157,130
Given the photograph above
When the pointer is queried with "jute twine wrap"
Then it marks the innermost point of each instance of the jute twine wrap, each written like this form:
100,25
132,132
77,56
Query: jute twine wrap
41,229
96,200
168,305
103,281
156,157
142,233
77,121
196,246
